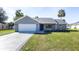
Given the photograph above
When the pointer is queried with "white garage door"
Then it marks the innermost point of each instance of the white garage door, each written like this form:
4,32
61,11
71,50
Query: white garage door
27,27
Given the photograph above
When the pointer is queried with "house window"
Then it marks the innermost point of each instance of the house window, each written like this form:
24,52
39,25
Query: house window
60,25
49,26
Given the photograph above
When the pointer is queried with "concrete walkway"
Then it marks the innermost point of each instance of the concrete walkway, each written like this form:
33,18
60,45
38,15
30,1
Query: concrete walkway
14,41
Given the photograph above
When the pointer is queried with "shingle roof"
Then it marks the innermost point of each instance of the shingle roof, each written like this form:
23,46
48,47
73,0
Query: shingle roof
50,20
46,20
59,21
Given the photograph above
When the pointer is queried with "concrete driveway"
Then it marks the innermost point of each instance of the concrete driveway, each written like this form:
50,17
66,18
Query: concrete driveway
14,41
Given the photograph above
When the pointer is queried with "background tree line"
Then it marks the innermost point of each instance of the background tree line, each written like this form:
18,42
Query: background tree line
4,17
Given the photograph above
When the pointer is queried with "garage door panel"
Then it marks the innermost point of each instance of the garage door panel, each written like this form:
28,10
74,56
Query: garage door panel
27,27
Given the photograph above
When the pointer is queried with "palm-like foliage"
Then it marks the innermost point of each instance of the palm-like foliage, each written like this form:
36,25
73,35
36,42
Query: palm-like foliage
18,14
61,13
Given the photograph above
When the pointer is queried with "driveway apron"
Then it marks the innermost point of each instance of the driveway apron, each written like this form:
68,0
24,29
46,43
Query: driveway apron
14,41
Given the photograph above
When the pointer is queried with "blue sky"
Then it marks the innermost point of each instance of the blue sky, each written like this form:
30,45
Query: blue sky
72,13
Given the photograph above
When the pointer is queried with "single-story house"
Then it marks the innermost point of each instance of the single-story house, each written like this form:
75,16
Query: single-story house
74,25
28,24
3,26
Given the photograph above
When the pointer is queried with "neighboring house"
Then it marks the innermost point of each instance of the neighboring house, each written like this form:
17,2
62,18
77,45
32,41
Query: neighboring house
6,26
74,25
28,24
0,25
3,26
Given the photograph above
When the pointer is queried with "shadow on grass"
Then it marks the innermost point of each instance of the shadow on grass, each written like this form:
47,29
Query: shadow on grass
26,32
63,31
44,33
68,31
49,32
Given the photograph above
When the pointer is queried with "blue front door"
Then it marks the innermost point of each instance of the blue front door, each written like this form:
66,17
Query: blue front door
41,27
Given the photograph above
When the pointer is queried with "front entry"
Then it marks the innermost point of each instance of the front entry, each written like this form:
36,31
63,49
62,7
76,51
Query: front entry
41,27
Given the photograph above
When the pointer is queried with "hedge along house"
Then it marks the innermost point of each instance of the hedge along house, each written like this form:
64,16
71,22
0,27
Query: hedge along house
38,25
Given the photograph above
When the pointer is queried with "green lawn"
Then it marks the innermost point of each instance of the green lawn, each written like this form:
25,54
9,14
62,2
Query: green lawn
55,41
4,32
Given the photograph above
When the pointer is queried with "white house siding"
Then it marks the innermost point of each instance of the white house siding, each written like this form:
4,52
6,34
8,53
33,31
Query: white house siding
61,27
38,27
64,26
16,27
54,27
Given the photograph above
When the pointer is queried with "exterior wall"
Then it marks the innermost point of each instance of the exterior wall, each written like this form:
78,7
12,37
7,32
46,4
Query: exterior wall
61,27
54,27
38,28
16,27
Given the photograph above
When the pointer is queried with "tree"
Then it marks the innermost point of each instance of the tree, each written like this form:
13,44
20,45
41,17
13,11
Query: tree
61,13
10,25
18,14
36,17
3,16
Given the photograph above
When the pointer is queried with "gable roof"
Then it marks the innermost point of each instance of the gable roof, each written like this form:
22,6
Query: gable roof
45,20
50,21
25,19
42,20
20,19
59,21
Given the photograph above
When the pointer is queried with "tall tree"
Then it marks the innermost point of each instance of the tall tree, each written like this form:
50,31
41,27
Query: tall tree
10,25
18,14
61,13
3,16
36,17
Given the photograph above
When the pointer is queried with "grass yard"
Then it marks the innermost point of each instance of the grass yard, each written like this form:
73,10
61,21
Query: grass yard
4,32
55,41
